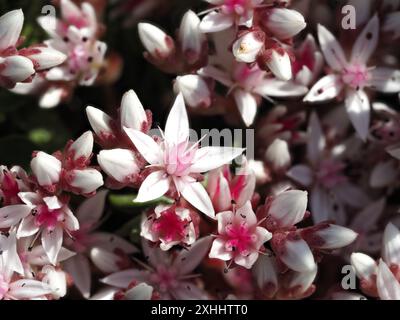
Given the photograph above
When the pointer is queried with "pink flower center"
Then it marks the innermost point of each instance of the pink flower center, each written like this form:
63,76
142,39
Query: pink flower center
179,158
77,21
48,218
239,239
78,59
355,76
235,6
170,226
4,287
330,173
164,279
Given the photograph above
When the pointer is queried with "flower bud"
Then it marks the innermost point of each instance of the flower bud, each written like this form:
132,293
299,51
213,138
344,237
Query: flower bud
119,164
83,146
391,245
329,236
284,23
364,265
194,89
86,181
46,58
248,46
46,168
288,207
295,253
279,63
132,112
192,39
278,155
100,123
156,42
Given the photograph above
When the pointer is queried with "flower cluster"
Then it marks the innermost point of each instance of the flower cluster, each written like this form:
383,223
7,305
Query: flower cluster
312,192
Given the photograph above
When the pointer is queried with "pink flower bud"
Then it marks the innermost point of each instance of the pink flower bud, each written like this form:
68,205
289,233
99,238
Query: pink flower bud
284,23
46,168
279,63
120,164
45,57
100,123
278,155
83,146
329,236
194,89
248,46
294,252
156,42
288,207
86,181
132,112
192,39
364,265
391,245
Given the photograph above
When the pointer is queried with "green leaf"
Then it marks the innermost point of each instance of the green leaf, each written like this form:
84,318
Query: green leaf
126,200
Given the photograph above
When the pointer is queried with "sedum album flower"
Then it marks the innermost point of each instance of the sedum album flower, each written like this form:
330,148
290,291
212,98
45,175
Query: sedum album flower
49,218
381,279
240,237
13,286
176,162
308,62
107,251
228,13
247,85
353,76
70,170
75,35
17,66
170,277
170,225
226,188
324,174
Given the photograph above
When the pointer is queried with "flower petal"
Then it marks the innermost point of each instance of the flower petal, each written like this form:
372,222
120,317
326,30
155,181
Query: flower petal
388,286
358,109
209,158
154,186
132,112
385,80
146,145
326,88
11,215
79,268
188,260
28,289
316,140
52,242
10,28
215,22
197,196
120,164
247,105
331,49
366,42
391,245
177,125
301,174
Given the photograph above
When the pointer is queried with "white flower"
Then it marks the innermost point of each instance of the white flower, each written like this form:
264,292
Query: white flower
353,76
175,159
